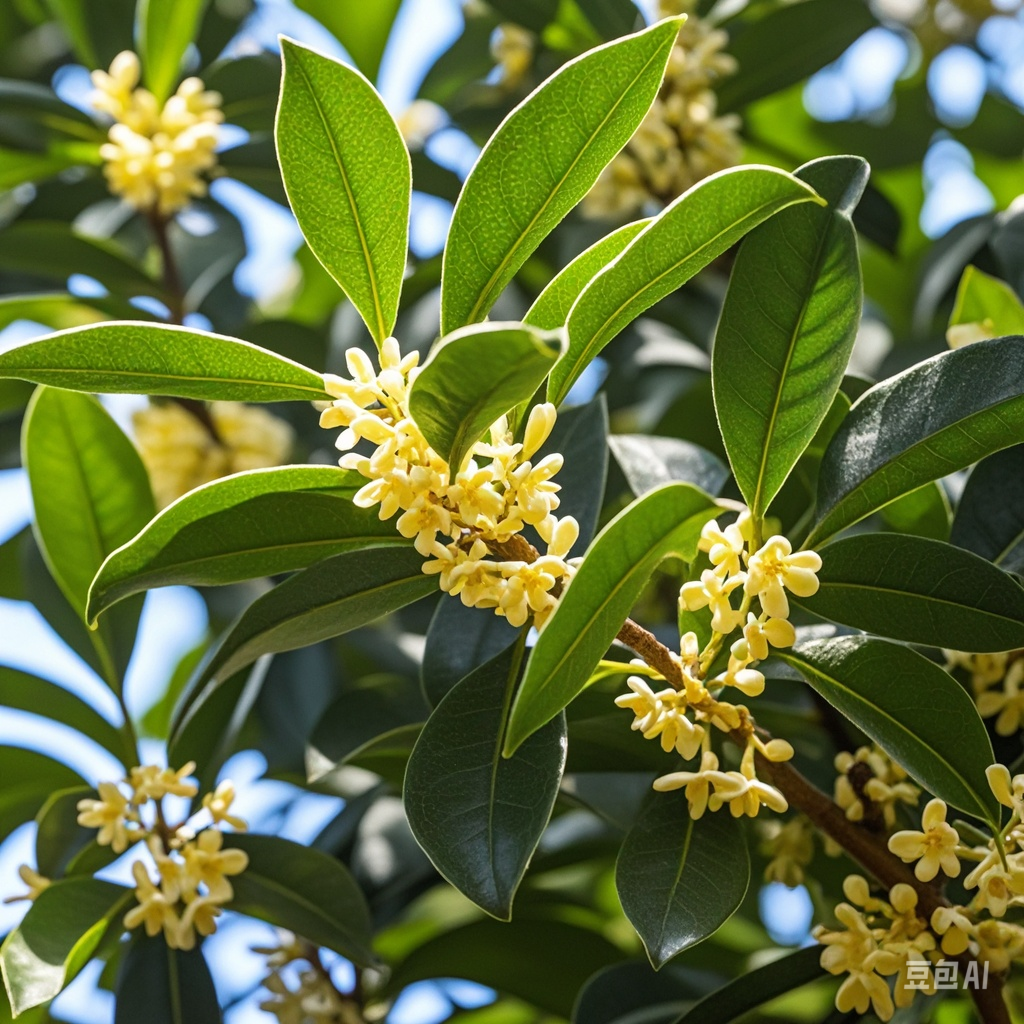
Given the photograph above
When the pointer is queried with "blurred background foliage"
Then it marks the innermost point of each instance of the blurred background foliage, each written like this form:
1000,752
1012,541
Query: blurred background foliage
929,91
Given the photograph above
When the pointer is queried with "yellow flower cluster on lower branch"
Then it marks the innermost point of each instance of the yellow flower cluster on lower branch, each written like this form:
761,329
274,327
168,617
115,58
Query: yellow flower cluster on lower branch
480,507
192,870
754,576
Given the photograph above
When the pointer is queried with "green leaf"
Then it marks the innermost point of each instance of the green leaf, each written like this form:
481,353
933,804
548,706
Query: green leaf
648,462
551,308
756,987
931,420
165,30
924,512
362,28
633,993
18,167
102,501
57,938
347,174
477,815
920,591
985,307
683,239
475,376
906,704
161,985
542,161
330,598
667,521
59,837
60,310
664,874
29,779
253,524
23,692
544,962
154,359
787,329
989,519
306,891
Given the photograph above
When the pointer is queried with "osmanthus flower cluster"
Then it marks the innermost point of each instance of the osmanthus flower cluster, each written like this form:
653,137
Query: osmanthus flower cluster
997,682
880,939
682,139
479,508
742,577
156,155
872,784
191,883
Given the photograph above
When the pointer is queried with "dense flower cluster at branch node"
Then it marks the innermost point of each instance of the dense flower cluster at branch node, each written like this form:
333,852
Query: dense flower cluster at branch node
997,682
745,590
790,847
480,507
682,139
871,784
193,869
156,156
180,452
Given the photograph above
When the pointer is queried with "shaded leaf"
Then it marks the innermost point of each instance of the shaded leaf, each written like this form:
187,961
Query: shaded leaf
28,780
161,985
989,518
648,462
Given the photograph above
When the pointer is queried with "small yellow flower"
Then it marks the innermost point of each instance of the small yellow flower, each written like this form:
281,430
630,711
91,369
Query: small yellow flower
955,928
36,884
151,782
200,916
108,814
724,547
219,802
711,591
933,849
207,864
776,568
154,909
698,785
759,633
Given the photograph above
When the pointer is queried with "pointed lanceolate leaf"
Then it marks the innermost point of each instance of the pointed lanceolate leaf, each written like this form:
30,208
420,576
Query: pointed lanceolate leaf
475,376
137,358
542,161
349,180
787,329
680,880
667,521
918,590
305,891
683,239
257,523
911,708
362,28
57,938
166,28
477,815
160,985
989,518
925,423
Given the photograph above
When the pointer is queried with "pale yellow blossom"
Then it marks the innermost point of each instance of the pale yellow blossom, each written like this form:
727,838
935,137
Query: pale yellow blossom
933,849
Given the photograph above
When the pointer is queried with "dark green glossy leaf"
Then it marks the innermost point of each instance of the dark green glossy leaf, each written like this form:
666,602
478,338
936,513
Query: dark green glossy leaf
475,376
347,174
542,161
683,239
906,704
787,329
667,521
165,29
477,815
679,879
648,462
305,891
257,523
633,993
160,985
57,938
59,837
989,519
154,359
931,420
920,591
28,780
362,28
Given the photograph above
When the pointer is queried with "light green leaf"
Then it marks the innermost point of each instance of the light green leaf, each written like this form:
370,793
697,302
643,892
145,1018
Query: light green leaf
678,879
253,524
153,359
165,29
906,704
920,591
306,891
19,166
551,308
923,512
362,28
58,310
931,420
985,307
542,161
57,938
683,239
160,985
479,816
349,180
787,329
666,521
102,501
473,377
